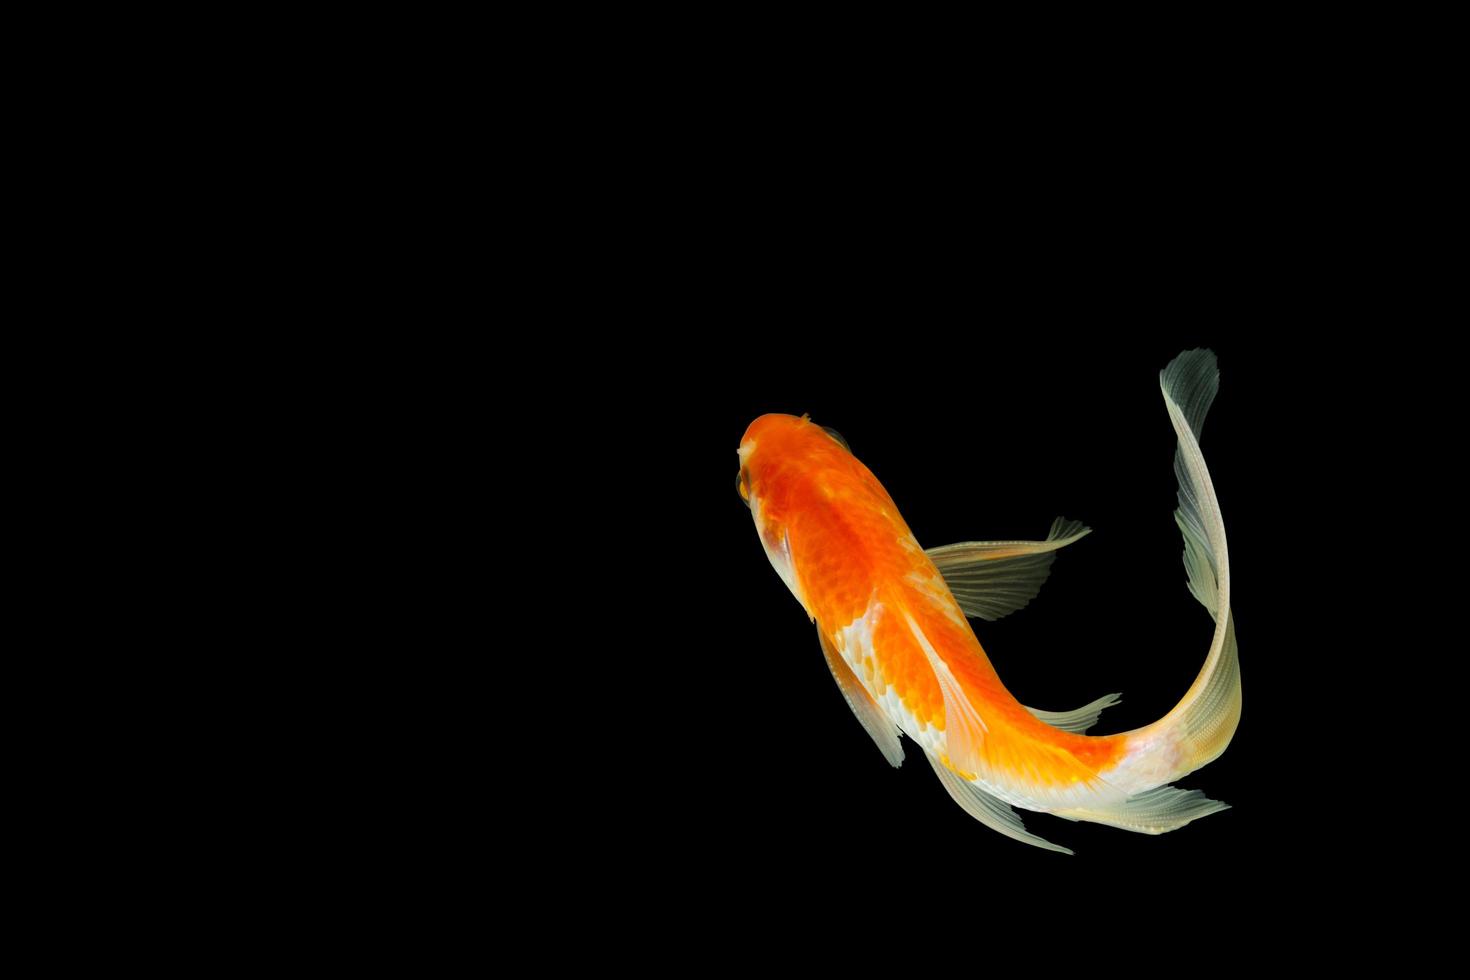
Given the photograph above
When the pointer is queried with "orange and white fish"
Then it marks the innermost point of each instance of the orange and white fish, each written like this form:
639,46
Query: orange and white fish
891,618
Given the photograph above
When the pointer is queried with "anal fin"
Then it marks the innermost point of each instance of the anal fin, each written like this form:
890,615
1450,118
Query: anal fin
1157,811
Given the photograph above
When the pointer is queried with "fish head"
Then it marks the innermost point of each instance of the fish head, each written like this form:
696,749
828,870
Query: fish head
776,452
778,456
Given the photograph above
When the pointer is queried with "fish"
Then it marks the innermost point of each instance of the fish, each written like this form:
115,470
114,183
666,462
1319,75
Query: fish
894,625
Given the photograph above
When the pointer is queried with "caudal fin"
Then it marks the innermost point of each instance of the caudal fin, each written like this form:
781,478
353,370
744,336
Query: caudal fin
1202,724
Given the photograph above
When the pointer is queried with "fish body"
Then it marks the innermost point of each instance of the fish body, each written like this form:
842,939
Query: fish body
891,620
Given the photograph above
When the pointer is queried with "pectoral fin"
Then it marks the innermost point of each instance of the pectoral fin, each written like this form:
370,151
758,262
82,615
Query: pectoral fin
877,724
991,579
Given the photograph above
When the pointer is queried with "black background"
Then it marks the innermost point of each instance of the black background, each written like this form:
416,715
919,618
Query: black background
981,304
762,778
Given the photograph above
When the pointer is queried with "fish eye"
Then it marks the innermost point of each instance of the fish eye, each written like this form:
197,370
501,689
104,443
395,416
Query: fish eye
838,436
742,485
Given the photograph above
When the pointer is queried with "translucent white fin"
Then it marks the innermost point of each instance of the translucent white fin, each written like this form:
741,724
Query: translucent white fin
987,809
874,721
991,579
1079,720
1156,812
964,729
1205,719
1190,383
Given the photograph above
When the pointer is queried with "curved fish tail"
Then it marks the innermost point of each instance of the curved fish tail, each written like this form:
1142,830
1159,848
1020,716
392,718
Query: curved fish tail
1204,720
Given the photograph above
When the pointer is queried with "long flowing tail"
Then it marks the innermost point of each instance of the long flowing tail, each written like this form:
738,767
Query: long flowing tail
1132,793
1203,722
1200,726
